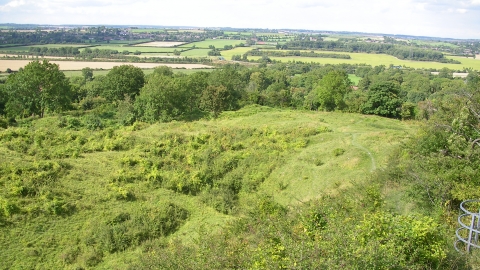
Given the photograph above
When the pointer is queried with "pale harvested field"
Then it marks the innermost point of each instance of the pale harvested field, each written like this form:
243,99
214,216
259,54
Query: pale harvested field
160,44
77,65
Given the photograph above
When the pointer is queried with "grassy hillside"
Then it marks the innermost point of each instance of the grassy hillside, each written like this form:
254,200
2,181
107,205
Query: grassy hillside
75,196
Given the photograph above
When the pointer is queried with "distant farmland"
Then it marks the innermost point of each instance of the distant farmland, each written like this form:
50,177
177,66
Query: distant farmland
133,49
160,44
217,43
366,58
73,65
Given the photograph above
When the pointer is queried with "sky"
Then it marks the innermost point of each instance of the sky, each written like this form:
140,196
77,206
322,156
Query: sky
434,18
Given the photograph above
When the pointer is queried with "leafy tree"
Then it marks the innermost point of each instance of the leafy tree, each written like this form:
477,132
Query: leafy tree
163,70
87,74
383,100
3,99
121,81
332,89
214,99
229,77
161,99
38,88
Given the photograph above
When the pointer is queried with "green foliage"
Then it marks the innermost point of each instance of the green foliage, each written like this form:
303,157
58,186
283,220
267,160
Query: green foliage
331,90
383,100
37,89
338,152
126,230
214,99
121,81
161,99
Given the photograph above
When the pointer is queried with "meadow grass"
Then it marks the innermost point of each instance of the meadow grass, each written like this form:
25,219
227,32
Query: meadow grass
229,33
354,78
435,43
330,39
218,43
330,152
132,49
315,170
235,51
196,53
380,59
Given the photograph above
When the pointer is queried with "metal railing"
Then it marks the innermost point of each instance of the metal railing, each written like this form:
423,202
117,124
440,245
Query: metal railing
469,231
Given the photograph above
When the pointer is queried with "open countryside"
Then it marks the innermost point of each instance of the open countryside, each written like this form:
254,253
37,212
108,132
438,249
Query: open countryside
78,65
273,146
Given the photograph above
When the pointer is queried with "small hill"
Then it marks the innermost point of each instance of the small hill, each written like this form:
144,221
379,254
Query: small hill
78,197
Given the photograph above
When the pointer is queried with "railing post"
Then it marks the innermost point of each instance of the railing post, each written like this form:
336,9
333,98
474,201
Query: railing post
466,235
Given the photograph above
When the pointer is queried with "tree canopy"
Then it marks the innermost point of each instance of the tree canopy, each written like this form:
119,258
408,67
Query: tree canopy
383,100
123,80
332,89
38,88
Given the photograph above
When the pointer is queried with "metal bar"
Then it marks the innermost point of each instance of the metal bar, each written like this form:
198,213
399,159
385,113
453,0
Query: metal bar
472,223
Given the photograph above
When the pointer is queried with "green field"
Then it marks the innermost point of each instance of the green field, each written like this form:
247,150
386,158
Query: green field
147,30
370,59
354,78
136,48
235,51
247,34
218,43
330,38
435,43
196,53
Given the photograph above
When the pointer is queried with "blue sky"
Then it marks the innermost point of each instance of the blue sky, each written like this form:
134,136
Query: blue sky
438,18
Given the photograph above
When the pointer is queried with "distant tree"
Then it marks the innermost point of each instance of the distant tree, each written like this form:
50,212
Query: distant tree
331,90
163,70
87,74
123,80
38,88
445,73
383,100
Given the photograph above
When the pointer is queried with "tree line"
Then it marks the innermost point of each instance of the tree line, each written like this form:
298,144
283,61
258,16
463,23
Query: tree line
41,88
399,51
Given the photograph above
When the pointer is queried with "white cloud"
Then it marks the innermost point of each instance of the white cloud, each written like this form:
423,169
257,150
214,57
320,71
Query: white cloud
12,4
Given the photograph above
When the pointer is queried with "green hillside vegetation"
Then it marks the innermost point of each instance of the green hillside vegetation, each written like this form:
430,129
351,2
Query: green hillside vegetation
275,166
202,171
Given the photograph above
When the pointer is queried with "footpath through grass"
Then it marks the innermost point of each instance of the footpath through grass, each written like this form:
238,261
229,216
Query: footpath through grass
73,197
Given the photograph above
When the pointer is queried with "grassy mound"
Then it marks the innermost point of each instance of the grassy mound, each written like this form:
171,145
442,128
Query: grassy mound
77,197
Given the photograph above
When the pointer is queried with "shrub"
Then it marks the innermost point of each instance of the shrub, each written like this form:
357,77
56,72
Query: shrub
338,152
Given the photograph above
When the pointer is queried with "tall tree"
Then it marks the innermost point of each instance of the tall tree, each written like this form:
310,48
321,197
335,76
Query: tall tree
123,80
332,89
38,88
382,99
